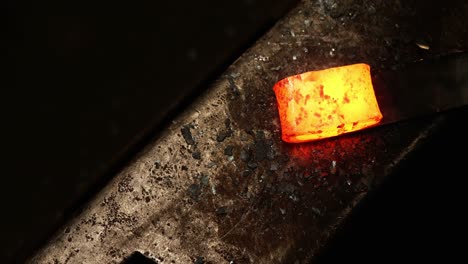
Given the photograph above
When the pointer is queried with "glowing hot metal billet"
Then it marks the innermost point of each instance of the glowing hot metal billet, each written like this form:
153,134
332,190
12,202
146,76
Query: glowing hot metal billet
326,103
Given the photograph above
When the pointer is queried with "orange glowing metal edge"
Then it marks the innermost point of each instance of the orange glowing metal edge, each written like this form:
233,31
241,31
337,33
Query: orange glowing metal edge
326,103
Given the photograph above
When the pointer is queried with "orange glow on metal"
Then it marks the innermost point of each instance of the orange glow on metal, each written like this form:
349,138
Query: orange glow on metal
326,103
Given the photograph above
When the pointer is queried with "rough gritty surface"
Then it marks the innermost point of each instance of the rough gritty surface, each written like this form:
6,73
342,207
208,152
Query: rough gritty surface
220,186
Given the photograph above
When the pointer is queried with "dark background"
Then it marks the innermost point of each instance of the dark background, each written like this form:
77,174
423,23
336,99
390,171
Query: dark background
418,214
125,70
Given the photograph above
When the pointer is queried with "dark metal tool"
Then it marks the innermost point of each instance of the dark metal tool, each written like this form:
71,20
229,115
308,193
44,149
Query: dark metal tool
422,88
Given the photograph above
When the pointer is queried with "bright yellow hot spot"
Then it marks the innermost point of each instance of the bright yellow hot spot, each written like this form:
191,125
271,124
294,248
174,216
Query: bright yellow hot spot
326,103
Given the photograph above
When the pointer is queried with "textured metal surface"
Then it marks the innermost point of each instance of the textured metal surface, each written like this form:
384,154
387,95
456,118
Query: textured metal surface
221,186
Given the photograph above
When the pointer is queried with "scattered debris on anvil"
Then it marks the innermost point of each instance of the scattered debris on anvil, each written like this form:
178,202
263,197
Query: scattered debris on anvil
227,132
187,135
199,260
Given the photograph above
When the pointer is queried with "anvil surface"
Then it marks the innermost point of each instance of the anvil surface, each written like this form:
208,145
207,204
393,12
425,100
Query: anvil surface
220,184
